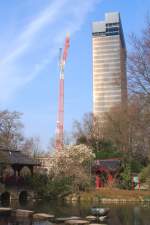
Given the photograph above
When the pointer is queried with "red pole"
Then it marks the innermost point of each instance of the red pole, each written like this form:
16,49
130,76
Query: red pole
97,182
132,184
139,184
60,120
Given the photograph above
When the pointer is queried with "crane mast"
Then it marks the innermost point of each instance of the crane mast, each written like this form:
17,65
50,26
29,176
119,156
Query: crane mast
59,142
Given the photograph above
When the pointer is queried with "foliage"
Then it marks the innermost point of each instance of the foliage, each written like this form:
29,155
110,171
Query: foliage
125,177
136,166
129,168
145,174
107,154
45,187
37,182
59,187
69,171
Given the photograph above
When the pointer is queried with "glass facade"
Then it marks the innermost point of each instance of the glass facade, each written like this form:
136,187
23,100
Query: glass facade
109,64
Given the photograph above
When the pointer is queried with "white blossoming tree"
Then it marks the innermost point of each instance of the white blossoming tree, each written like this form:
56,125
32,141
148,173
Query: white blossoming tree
73,163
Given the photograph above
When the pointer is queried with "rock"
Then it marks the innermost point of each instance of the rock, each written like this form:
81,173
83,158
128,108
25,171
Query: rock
74,218
43,216
103,218
5,211
23,213
62,219
91,218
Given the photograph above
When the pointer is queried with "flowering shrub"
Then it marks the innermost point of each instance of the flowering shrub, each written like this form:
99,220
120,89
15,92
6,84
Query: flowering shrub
73,162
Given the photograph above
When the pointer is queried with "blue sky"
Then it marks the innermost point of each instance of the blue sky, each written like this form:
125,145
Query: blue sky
32,32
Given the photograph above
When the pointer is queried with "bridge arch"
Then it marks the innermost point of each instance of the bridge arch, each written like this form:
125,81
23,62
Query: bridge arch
25,171
8,171
23,196
5,198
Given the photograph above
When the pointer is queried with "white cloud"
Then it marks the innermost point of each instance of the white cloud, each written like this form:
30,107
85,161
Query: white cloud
53,22
25,39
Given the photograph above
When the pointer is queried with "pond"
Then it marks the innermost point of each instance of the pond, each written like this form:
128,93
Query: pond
119,214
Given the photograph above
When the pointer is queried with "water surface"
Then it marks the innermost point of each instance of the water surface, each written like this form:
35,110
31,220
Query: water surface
127,214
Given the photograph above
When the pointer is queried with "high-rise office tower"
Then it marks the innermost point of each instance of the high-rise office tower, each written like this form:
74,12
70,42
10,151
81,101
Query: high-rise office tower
109,64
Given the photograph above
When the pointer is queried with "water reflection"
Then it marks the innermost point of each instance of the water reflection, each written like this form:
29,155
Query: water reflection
20,221
119,214
130,215
41,223
137,218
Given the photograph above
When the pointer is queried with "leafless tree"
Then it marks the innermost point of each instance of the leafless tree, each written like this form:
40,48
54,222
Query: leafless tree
68,139
139,84
139,62
89,131
32,147
129,128
10,129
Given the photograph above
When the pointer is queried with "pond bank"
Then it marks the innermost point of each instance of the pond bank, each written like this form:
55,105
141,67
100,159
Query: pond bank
111,195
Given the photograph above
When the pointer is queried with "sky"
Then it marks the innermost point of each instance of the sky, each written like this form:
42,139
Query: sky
32,31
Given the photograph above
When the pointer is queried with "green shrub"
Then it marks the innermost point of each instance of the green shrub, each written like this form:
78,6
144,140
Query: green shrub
136,166
145,174
107,154
48,188
125,177
58,187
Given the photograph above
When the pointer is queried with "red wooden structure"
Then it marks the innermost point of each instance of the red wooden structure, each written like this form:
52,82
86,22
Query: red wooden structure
106,171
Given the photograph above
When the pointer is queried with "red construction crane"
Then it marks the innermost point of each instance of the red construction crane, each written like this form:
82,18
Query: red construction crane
59,142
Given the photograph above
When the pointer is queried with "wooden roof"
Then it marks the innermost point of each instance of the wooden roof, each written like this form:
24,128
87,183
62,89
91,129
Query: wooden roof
15,157
109,164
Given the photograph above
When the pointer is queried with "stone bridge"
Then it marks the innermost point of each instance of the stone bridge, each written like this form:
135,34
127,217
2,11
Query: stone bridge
14,167
19,195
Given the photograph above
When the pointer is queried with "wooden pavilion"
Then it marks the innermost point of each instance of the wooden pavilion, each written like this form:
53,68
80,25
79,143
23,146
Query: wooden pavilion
15,160
106,171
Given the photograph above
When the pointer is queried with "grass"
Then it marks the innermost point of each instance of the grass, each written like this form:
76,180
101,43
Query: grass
115,193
